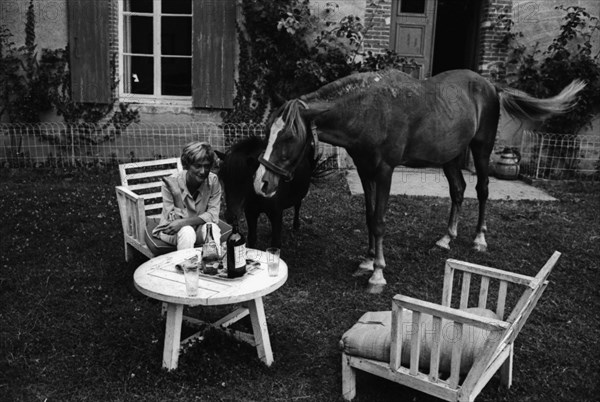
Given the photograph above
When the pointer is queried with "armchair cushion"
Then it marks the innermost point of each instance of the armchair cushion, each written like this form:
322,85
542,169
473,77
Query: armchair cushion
370,338
156,245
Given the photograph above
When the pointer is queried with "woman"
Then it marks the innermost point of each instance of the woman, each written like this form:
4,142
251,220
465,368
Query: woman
191,199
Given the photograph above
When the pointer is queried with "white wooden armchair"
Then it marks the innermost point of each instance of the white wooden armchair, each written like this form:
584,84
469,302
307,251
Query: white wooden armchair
140,205
434,348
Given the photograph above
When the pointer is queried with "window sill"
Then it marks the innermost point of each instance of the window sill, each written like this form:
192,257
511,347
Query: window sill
178,101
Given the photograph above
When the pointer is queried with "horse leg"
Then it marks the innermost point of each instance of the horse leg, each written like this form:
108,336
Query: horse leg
457,186
252,222
366,266
481,156
296,224
383,182
276,218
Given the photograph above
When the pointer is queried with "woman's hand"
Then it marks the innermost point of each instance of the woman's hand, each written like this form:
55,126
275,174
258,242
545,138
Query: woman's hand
174,227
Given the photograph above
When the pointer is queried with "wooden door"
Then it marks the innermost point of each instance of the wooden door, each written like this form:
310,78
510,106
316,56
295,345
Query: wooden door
412,34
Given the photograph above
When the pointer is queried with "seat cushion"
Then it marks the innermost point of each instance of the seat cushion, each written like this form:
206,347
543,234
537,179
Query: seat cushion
158,247
370,338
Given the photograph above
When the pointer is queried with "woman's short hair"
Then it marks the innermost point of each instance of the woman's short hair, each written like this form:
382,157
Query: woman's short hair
196,151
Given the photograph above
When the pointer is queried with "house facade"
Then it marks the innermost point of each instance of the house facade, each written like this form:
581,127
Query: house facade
176,60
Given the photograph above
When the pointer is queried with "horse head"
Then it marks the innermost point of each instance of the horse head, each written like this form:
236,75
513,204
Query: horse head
288,140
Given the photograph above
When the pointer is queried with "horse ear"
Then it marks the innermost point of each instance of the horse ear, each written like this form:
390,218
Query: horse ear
221,155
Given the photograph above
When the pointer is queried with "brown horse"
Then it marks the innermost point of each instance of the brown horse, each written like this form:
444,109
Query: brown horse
385,119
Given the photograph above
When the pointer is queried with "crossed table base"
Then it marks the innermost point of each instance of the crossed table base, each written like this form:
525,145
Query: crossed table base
159,279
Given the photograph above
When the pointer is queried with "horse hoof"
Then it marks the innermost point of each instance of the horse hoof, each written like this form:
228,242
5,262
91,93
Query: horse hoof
444,242
367,265
362,272
482,248
376,282
375,288
441,246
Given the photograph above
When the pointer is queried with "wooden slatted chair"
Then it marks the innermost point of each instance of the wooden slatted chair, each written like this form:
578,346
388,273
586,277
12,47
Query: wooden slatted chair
425,344
140,204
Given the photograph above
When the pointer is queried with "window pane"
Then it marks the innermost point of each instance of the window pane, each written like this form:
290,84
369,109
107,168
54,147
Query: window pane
138,6
139,75
177,6
138,35
412,6
176,37
177,76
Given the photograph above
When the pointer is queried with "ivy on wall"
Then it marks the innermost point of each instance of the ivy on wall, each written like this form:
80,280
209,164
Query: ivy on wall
31,85
287,50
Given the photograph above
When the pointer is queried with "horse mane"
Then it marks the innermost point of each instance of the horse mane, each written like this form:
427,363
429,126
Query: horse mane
237,160
292,117
248,145
352,84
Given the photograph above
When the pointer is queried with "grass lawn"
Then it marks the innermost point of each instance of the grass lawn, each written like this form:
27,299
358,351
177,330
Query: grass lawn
73,328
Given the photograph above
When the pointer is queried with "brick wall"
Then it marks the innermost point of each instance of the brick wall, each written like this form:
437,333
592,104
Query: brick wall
491,32
378,14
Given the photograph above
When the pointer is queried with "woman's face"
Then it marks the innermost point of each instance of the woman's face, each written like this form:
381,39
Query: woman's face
200,169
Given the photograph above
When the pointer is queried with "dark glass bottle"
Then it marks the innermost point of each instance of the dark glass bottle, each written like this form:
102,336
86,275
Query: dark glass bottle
236,253
210,253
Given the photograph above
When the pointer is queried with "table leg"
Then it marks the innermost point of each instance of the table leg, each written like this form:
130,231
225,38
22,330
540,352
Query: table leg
261,332
172,336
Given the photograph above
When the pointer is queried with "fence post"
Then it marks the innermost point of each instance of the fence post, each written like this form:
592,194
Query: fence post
539,161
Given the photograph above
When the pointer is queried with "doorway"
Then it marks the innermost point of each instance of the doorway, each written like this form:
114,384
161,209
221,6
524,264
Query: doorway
456,35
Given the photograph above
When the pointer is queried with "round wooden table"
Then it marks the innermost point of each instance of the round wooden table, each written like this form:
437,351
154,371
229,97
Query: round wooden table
159,279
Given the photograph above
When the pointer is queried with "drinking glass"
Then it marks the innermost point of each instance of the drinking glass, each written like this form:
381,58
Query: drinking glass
273,254
190,272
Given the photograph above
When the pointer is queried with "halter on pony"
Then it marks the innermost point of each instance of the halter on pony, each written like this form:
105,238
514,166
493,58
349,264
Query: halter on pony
293,121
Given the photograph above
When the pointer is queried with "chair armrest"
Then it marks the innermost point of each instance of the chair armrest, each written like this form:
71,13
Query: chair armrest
450,313
133,215
125,192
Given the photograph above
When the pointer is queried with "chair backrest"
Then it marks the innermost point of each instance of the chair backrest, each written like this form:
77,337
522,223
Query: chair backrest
144,179
533,290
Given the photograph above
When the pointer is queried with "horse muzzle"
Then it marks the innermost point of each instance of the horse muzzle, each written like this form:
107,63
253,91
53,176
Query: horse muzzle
265,182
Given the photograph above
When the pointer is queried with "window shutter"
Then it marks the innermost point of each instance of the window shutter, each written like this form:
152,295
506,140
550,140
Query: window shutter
89,35
213,42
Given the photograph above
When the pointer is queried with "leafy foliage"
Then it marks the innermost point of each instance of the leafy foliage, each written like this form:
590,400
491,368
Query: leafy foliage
287,50
546,73
30,85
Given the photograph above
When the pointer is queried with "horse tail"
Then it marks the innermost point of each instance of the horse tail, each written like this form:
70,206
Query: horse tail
522,106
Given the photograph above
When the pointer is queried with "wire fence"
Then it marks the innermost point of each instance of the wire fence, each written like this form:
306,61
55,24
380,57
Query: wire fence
560,156
97,145
544,156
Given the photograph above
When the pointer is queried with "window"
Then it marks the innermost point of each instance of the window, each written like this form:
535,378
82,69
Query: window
412,6
156,43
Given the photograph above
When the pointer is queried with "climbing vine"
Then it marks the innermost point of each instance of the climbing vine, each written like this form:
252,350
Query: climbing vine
286,49
31,85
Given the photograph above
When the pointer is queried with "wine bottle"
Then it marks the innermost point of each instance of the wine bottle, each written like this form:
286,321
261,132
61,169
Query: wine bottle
210,253
236,253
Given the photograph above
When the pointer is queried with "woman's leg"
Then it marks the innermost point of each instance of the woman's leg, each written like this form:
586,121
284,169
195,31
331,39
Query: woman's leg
185,238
